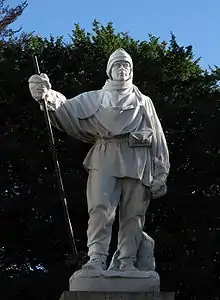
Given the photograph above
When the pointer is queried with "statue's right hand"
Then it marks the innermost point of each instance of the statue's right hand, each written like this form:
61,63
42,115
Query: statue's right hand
39,85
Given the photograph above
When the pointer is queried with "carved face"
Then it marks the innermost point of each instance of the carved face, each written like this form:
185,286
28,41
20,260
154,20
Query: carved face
121,70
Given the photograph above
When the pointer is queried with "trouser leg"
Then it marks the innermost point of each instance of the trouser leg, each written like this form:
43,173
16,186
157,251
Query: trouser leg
132,208
103,194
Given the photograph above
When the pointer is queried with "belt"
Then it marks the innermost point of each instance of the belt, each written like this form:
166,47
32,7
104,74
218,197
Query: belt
123,137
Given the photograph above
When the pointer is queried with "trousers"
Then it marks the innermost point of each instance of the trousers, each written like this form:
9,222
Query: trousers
104,194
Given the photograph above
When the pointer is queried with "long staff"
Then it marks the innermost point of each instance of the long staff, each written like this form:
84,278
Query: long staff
57,170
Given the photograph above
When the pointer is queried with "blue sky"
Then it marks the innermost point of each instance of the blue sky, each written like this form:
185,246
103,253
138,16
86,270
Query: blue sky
194,22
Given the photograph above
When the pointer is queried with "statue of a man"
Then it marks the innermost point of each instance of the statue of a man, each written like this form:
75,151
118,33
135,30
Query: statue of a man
128,164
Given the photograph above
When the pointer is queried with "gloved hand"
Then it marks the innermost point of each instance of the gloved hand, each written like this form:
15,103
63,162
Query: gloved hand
39,86
158,189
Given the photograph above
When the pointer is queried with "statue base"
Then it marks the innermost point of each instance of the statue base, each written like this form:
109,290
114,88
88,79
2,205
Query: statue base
114,281
115,285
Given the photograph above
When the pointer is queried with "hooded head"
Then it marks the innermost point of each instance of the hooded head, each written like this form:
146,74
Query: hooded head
120,55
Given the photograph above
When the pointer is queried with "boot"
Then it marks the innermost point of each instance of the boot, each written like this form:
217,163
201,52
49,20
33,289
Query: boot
96,262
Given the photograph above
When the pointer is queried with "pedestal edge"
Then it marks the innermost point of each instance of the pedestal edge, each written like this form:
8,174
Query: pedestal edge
73,295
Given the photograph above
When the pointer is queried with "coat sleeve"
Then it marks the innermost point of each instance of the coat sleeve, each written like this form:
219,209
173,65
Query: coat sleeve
63,116
160,156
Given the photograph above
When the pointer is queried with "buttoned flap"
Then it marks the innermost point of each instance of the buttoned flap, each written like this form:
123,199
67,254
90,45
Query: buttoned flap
141,138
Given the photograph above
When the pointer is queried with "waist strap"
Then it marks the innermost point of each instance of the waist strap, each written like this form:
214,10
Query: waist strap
115,138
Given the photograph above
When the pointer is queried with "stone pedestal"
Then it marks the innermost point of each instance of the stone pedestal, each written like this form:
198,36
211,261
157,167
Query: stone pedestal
115,285
115,281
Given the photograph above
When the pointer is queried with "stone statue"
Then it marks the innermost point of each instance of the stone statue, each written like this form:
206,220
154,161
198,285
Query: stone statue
128,164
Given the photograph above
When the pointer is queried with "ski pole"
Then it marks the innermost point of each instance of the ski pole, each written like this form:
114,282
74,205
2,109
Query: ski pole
57,170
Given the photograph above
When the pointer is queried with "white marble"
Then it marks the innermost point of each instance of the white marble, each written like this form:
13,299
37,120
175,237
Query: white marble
128,164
